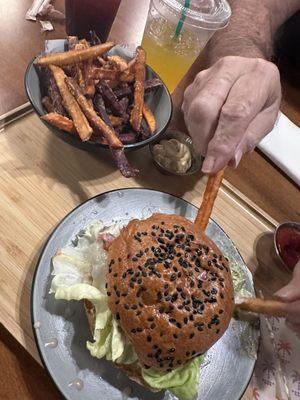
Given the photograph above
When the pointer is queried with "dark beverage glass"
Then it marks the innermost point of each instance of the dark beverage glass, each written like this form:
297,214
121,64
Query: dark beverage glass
85,15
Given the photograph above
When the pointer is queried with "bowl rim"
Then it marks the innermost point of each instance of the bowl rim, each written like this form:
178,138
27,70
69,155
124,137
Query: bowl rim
130,146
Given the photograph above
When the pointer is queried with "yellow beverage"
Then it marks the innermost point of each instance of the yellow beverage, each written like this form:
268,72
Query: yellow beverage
170,57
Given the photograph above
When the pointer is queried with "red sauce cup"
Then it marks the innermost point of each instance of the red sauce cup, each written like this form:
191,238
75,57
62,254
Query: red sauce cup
287,243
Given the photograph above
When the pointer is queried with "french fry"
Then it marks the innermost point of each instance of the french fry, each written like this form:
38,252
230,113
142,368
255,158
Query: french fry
128,138
118,62
72,41
55,97
60,122
149,117
47,103
115,121
80,122
267,307
139,88
92,116
209,197
74,56
106,74
110,98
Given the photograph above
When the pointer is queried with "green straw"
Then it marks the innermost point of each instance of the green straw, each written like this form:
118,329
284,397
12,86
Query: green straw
182,18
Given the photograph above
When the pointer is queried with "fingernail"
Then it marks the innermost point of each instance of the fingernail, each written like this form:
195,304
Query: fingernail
208,164
237,158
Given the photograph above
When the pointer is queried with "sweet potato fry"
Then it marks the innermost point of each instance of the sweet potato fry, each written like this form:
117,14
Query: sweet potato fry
92,116
115,121
139,88
111,99
128,138
74,56
47,103
118,63
124,90
149,117
55,97
209,197
267,307
80,122
72,41
106,74
60,122
126,169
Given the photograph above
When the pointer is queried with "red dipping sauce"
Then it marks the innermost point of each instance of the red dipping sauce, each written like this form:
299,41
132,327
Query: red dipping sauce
287,238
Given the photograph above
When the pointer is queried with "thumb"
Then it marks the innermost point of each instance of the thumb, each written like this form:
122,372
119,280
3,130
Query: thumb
291,291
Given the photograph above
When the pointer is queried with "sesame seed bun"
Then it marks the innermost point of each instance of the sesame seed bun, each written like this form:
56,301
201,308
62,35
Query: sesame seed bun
170,289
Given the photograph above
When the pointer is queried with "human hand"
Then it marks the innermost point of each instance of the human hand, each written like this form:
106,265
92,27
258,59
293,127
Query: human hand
230,107
290,294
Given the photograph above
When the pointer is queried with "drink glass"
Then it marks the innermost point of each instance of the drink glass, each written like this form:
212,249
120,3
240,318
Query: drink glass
85,15
177,31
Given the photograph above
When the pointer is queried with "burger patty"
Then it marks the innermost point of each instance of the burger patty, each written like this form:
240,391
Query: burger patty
170,289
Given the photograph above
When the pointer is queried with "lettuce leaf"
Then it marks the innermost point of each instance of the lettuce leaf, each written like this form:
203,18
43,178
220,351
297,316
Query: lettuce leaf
182,381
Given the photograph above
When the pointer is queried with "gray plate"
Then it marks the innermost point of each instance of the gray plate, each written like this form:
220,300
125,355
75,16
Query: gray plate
61,328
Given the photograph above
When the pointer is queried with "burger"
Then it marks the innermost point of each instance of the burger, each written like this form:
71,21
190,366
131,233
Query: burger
158,294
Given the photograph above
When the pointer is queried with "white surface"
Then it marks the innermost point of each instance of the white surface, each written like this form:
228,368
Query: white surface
282,146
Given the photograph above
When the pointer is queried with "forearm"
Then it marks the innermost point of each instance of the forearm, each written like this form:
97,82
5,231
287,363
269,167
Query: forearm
251,29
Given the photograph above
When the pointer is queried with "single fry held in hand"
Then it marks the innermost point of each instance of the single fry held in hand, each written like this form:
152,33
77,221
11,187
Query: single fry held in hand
273,308
210,194
98,97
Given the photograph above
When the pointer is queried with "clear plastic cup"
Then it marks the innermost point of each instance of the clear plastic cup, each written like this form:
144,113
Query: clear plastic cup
175,35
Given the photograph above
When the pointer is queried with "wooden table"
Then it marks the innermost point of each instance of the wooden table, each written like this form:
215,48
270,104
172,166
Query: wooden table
18,370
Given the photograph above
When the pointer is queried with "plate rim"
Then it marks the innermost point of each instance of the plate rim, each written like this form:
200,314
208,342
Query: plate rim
54,231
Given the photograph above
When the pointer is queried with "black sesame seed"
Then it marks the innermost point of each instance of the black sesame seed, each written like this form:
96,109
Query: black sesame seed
149,338
221,311
161,310
150,319
133,330
131,284
192,335
108,294
152,326
178,324
217,331
175,336
171,350
134,259
139,329
222,295
185,320
187,353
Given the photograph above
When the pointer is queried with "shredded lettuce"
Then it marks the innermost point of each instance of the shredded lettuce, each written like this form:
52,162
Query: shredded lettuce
182,381
79,273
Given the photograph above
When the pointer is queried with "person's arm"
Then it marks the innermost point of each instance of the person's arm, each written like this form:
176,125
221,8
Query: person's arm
233,104
251,29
